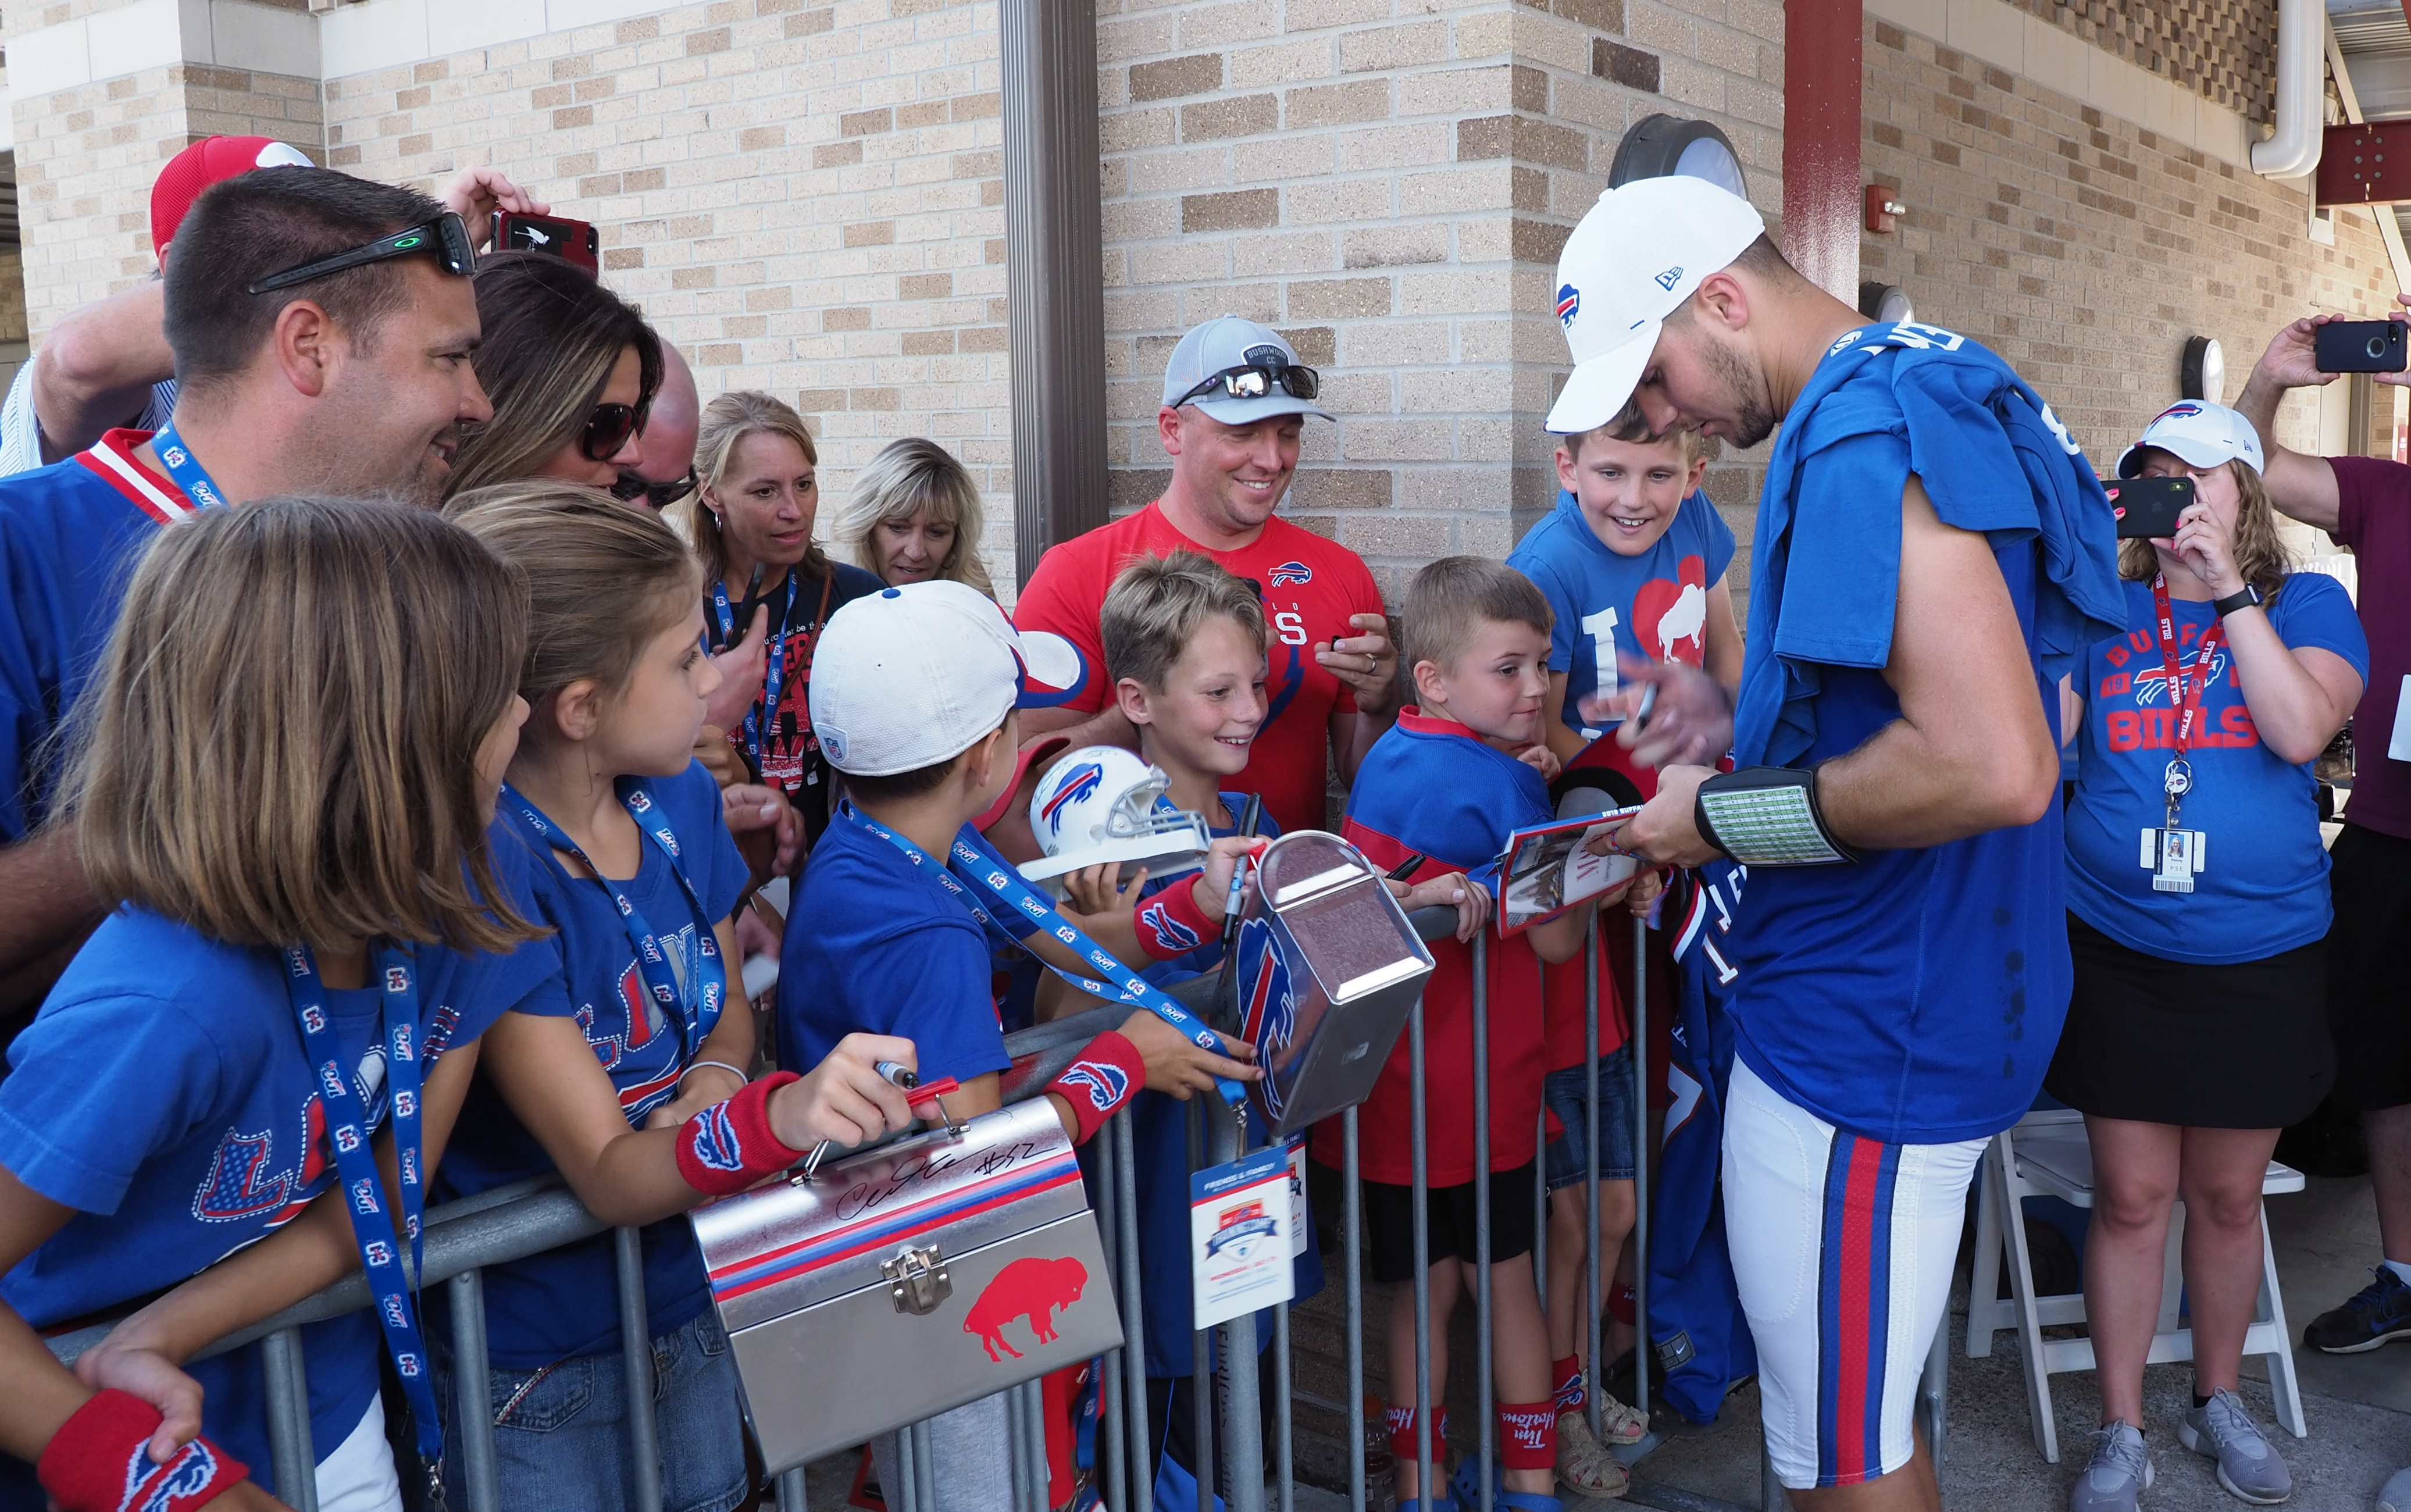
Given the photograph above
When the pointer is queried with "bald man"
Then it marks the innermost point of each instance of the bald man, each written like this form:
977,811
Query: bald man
664,470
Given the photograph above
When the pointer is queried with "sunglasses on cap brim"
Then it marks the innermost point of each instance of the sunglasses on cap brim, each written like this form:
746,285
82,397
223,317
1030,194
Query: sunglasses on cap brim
1254,380
445,239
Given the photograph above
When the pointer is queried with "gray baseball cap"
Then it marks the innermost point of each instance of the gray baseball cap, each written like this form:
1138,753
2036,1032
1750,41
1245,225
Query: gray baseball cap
1228,341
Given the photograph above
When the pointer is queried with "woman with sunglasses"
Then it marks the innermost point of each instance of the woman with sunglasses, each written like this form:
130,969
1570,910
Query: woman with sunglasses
751,522
571,368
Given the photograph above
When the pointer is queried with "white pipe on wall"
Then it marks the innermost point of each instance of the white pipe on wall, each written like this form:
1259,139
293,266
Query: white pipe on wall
2302,113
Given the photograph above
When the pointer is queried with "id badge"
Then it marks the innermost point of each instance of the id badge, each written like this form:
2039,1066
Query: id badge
2398,744
1239,1236
2174,858
1297,1213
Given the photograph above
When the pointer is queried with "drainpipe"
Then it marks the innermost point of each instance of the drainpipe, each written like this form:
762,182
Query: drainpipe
2301,102
1823,200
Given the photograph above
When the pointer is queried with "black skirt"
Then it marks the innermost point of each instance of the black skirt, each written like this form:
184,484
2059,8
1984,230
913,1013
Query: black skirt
2243,1045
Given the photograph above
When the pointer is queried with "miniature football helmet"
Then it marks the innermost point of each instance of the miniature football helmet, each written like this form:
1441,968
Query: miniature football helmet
1102,803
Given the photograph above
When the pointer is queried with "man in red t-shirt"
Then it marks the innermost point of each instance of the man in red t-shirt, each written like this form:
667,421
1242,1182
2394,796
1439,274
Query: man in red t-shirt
2364,503
1235,403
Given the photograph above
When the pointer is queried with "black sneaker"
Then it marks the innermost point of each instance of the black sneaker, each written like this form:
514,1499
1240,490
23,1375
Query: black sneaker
2378,1313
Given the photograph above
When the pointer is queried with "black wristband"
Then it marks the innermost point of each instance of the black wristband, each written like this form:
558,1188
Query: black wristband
2248,598
1767,817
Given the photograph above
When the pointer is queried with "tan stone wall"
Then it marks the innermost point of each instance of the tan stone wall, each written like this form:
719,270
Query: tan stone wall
807,199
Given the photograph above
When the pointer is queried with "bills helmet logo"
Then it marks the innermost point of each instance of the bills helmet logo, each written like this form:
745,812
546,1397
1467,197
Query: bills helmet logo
715,1139
150,1488
1106,1085
2177,412
1290,575
1268,1001
1170,934
1079,783
1569,304
378,1252
1670,277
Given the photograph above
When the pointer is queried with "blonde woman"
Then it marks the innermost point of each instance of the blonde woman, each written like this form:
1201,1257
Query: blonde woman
914,517
768,586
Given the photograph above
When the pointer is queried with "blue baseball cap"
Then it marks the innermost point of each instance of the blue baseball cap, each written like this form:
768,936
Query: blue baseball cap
1228,341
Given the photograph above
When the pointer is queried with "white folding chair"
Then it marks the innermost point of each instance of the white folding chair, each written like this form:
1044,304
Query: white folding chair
2047,1154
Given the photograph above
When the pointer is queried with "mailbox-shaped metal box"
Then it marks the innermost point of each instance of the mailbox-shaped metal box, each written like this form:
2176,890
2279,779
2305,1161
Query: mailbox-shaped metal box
1327,968
908,1280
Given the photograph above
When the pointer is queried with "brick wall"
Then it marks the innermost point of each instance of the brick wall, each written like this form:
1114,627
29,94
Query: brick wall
2224,50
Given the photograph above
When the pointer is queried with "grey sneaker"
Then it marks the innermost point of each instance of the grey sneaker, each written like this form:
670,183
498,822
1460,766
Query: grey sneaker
2116,1473
2250,1470
2396,1497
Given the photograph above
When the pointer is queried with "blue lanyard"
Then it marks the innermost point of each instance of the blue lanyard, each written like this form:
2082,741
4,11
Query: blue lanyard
348,1120
653,959
185,468
1117,983
774,675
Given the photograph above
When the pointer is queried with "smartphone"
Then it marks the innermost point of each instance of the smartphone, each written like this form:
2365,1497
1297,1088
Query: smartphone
2147,507
575,241
2359,346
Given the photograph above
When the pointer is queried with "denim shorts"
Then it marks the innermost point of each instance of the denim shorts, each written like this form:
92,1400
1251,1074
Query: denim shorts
1563,1093
561,1436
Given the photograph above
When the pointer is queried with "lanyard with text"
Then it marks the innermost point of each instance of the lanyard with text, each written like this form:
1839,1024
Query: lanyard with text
1126,985
774,673
185,468
2184,698
652,958
347,1129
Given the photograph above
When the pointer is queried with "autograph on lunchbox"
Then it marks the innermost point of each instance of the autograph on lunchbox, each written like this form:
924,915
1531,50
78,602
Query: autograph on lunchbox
922,1174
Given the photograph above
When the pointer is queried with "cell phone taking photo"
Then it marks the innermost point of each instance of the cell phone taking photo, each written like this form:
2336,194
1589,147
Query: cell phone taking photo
2147,507
575,241
2359,346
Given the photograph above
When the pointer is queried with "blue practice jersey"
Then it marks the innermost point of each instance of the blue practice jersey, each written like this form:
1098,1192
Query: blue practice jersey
1653,605
564,1302
1913,997
163,1094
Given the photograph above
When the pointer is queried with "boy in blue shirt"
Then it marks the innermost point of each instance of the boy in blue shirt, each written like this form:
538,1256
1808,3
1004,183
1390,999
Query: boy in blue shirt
913,699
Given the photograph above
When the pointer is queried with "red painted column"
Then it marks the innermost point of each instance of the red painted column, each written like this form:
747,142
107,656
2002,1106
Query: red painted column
1822,203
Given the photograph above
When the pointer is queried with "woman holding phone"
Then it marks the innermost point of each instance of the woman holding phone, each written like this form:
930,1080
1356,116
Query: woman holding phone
2197,904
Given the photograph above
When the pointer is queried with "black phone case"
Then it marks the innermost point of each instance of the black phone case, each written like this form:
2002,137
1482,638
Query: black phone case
2146,507
2359,346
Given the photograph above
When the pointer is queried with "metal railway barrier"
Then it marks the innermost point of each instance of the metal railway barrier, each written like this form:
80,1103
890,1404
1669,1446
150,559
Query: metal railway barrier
525,1218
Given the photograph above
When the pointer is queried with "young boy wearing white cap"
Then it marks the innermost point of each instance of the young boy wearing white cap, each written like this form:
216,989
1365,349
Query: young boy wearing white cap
1932,552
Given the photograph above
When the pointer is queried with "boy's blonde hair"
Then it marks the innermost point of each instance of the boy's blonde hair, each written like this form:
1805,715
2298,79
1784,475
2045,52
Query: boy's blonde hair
1155,607
280,744
1632,427
1452,599
909,479
604,577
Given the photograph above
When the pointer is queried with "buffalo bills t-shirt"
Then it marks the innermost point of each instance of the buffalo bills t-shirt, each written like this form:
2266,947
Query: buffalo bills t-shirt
783,749
162,1093
878,945
2373,519
564,1302
1311,586
2263,888
1653,605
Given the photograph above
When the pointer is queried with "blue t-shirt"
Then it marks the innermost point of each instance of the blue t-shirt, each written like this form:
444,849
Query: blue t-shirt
877,945
164,1092
1653,605
2264,888
565,1303
1915,996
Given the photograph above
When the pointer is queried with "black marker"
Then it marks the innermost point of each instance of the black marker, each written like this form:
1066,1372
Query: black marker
1406,868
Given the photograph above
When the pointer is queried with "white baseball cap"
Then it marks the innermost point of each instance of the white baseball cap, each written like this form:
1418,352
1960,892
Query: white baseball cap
1635,257
2203,434
914,675
1228,341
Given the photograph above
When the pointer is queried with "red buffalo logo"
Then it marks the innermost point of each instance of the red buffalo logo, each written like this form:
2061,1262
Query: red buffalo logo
1032,1288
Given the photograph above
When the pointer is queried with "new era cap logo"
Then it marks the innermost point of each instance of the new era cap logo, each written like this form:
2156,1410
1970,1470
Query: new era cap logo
1569,304
1670,277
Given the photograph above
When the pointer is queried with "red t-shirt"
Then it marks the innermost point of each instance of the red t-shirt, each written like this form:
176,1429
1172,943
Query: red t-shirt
1310,586
2373,498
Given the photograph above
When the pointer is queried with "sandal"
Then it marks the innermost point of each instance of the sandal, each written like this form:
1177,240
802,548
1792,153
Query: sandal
1619,1423
1467,1488
1585,1466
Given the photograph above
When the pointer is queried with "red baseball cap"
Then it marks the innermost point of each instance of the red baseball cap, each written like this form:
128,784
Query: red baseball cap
206,162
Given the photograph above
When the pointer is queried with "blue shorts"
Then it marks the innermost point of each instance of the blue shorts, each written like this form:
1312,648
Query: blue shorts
1563,1094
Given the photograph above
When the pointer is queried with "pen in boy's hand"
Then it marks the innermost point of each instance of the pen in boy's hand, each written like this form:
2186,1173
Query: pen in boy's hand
1648,704
1406,868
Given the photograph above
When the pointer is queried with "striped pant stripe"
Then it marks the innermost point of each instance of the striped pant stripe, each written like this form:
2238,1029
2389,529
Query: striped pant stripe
1854,1308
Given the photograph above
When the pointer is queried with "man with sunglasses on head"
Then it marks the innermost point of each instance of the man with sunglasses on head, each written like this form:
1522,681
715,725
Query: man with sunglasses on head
1235,401
321,327
664,470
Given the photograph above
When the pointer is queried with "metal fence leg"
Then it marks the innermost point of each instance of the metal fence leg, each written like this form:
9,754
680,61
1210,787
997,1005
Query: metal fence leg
636,1343
1641,1342
1932,1394
1540,1209
1419,1194
1016,1433
1590,1353
1352,1240
1770,1489
1243,1432
1111,1440
290,1455
1142,1456
1284,1410
905,1495
473,1402
791,1490
924,1475
1486,1396
1201,1342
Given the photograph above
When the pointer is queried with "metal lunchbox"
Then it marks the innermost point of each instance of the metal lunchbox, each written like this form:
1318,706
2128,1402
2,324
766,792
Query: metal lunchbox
908,1280
1326,968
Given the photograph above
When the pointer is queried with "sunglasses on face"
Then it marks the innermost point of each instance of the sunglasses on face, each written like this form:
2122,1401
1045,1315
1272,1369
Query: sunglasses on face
445,239
1254,380
608,428
657,496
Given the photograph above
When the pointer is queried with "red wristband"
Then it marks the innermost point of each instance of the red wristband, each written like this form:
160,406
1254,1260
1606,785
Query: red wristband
1170,924
729,1146
1108,1074
100,1462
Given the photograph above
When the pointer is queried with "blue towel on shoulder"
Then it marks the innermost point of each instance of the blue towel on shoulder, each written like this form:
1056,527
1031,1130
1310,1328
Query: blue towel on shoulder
1886,402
